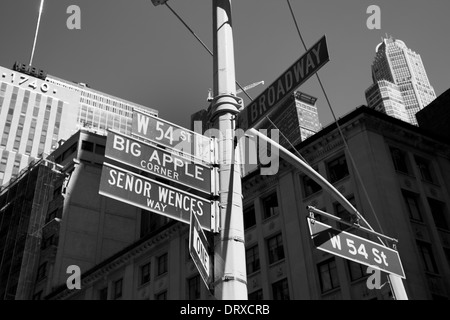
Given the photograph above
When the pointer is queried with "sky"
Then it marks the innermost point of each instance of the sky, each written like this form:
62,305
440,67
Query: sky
142,53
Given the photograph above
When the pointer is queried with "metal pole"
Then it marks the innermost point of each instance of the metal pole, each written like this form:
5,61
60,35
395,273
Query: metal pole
230,278
395,281
355,226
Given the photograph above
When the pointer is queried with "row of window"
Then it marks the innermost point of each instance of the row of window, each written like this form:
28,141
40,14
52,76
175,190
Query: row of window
337,169
402,164
93,147
270,208
328,274
85,146
99,119
415,207
114,103
280,291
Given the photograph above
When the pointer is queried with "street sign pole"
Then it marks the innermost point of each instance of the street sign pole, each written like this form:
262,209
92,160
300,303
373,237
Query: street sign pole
230,278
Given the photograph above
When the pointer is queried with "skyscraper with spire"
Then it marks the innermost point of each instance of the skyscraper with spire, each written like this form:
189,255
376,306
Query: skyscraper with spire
401,87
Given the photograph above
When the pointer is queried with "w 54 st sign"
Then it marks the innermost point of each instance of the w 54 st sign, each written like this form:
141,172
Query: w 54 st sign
352,247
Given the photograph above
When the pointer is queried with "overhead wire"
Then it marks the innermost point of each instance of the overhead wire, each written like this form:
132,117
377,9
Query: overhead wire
202,43
341,134
349,153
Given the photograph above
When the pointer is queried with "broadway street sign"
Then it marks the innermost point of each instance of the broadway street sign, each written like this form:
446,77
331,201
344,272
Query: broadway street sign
354,248
285,85
159,162
171,135
148,194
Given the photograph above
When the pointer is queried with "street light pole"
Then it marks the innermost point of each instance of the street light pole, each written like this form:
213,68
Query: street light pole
230,278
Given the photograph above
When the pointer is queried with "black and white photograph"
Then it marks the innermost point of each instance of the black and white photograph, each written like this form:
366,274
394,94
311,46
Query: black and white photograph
224,154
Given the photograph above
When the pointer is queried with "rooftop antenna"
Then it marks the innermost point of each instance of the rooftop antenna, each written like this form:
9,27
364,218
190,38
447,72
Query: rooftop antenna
37,30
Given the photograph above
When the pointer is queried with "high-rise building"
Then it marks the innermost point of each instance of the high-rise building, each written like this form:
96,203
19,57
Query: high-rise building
386,97
38,110
297,119
402,70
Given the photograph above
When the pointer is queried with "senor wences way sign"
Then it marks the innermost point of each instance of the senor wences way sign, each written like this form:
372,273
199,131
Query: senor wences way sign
354,248
148,194
171,135
160,162
267,102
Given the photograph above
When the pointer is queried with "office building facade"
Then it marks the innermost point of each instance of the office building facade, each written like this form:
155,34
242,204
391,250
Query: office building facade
37,111
402,69
23,215
53,217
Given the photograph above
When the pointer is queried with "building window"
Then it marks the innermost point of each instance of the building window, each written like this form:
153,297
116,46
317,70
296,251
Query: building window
426,254
144,273
280,290
412,205
276,250
249,217
162,264
194,288
356,270
49,241
439,212
337,169
161,296
252,259
103,293
270,205
87,146
100,149
328,275
310,186
118,289
424,167
256,295
399,158
42,270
